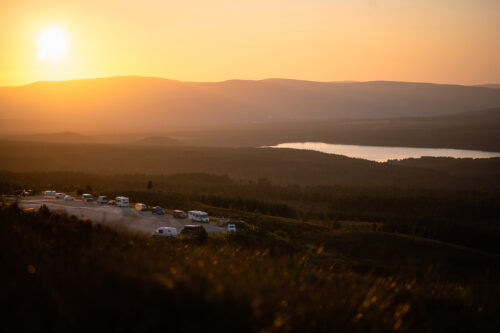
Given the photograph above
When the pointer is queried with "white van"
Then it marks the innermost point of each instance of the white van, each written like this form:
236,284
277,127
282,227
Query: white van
231,228
165,232
86,197
122,201
141,207
198,216
102,199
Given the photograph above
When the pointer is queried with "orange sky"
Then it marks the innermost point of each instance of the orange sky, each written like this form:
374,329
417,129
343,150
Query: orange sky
445,41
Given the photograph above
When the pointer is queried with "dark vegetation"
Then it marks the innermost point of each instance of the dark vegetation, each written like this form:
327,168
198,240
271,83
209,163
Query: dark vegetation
280,166
288,268
61,274
463,217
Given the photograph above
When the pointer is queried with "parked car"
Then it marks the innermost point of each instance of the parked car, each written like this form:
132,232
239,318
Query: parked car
68,198
231,228
165,232
122,201
23,193
198,216
49,193
60,195
102,199
157,210
112,202
180,214
193,231
86,197
141,207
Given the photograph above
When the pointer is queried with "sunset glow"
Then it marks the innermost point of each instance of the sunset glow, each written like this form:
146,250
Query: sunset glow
52,45
439,41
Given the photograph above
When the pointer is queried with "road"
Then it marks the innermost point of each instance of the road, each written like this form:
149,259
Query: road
128,219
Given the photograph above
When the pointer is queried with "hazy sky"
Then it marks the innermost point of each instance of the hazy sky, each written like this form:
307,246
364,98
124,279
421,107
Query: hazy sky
446,41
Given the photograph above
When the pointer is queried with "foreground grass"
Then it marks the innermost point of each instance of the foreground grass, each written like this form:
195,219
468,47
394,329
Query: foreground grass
62,274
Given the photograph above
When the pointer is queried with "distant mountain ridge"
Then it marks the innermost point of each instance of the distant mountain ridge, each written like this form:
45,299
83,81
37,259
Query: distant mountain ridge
491,85
156,105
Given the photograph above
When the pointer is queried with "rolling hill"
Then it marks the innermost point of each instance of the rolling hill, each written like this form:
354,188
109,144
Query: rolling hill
153,104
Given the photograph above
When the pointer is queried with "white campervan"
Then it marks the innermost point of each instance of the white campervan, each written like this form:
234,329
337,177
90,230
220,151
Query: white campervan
86,197
122,201
198,216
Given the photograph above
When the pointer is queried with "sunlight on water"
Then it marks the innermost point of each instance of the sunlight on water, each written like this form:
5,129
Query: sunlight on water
382,154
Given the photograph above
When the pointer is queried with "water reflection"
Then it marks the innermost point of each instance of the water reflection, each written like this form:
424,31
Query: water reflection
382,154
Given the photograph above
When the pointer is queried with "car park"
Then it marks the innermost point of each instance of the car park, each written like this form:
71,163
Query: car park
60,195
157,210
102,199
165,232
68,198
86,197
140,207
180,214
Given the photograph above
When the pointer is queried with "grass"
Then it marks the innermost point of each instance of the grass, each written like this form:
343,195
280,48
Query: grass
63,274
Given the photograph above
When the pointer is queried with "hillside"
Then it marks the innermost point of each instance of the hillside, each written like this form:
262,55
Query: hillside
141,103
68,275
476,130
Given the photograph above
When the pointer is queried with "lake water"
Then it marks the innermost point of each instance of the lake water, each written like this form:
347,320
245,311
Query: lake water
382,154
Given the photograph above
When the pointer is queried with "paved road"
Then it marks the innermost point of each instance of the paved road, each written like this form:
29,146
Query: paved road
127,218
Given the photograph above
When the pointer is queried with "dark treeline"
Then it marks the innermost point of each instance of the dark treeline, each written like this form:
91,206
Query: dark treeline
469,218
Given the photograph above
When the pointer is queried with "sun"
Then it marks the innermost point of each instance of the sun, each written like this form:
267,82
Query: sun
52,45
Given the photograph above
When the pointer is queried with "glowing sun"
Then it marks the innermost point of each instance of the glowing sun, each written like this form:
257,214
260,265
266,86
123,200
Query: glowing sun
52,45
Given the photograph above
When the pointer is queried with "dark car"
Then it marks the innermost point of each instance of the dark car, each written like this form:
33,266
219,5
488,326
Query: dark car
157,210
194,231
179,214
